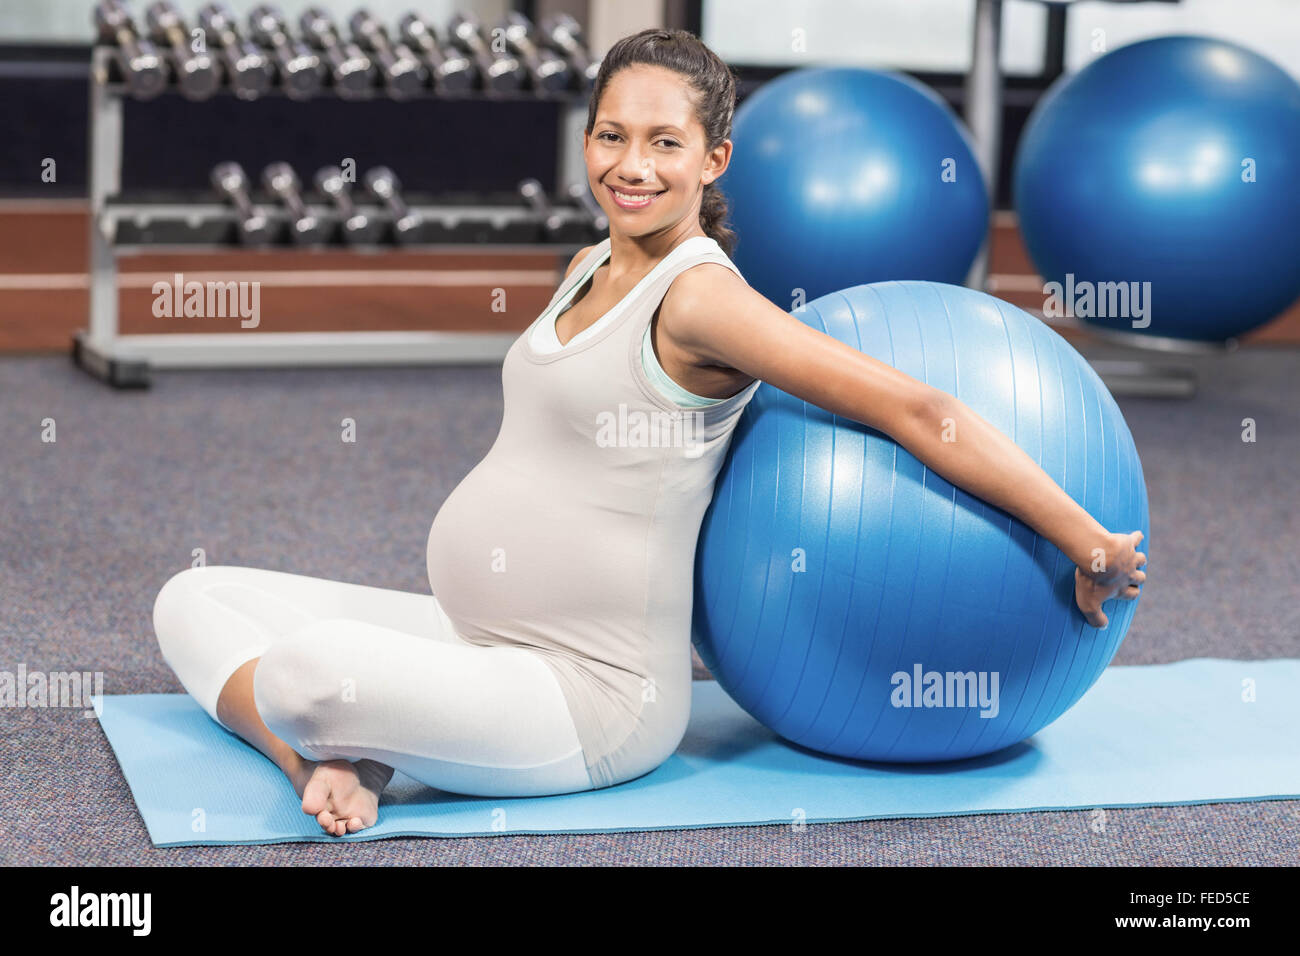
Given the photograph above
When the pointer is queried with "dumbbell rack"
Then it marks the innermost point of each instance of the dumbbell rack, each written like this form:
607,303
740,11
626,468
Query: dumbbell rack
119,228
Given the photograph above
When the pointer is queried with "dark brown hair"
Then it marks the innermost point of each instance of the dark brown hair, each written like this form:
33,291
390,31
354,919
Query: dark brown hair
715,100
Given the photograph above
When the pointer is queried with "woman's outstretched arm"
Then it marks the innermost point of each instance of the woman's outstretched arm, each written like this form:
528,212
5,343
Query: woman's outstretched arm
712,314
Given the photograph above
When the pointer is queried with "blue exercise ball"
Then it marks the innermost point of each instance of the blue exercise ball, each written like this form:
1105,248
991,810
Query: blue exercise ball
835,573
843,176
1174,162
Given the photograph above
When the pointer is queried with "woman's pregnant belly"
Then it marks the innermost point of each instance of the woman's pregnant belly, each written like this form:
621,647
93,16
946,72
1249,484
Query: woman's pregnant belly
513,555
517,558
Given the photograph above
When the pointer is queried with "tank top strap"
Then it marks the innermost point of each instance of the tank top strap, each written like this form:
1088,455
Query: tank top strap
636,328
594,254
705,249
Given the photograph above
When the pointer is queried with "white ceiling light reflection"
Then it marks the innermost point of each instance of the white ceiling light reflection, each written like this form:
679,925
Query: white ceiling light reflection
874,179
1225,63
1205,165
871,182
811,103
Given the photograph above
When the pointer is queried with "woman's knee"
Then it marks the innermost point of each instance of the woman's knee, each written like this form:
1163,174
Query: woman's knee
175,600
296,686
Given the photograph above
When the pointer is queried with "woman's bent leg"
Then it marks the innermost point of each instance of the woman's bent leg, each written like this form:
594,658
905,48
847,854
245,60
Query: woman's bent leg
210,621
347,671
486,721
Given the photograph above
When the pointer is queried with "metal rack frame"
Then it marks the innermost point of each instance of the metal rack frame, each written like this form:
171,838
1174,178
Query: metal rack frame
125,360
1143,377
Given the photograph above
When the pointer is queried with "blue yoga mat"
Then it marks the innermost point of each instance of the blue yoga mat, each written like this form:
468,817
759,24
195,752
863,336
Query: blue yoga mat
1198,731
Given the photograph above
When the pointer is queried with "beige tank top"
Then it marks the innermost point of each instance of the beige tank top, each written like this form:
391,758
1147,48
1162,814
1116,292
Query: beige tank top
575,535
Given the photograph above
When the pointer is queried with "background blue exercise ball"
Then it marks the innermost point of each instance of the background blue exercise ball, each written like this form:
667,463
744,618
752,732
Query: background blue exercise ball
900,567
837,179
1132,171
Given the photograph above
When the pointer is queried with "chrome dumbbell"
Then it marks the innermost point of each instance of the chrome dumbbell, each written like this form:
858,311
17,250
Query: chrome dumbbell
231,183
449,69
197,74
404,75
382,183
498,73
142,67
532,192
299,69
548,73
351,73
356,226
305,227
250,70
564,35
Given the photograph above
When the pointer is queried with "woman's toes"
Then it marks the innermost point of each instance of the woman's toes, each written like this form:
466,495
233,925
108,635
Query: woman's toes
338,800
315,796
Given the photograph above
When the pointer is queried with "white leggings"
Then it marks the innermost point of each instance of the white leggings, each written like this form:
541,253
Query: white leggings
351,672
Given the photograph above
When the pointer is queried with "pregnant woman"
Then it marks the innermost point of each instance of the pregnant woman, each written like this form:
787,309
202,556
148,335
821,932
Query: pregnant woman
553,654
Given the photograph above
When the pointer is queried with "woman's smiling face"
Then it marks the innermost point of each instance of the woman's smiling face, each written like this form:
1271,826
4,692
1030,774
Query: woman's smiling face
647,155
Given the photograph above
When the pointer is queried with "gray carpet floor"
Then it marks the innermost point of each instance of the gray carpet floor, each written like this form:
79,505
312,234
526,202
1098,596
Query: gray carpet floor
248,466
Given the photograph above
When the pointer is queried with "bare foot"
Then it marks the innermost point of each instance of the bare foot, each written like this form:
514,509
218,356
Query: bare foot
342,796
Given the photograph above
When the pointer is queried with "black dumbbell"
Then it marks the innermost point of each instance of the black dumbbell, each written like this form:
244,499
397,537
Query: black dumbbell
382,183
451,71
142,67
250,70
563,34
351,72
197,75
533,193
299,69
357,227
403,74
498,73
305,227
229,180
548,73
581,193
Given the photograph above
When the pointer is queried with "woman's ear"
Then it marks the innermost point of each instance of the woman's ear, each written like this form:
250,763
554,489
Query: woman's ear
716,162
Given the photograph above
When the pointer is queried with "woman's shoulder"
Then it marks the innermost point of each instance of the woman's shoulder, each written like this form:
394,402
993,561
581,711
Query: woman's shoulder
699,290
698,298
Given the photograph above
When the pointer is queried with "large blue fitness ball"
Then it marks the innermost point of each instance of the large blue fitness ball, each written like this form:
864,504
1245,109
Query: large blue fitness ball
831,561
845,176
1174,161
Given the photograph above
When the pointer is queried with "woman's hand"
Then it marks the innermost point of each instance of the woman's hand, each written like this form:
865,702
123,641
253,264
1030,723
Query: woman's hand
1115,571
